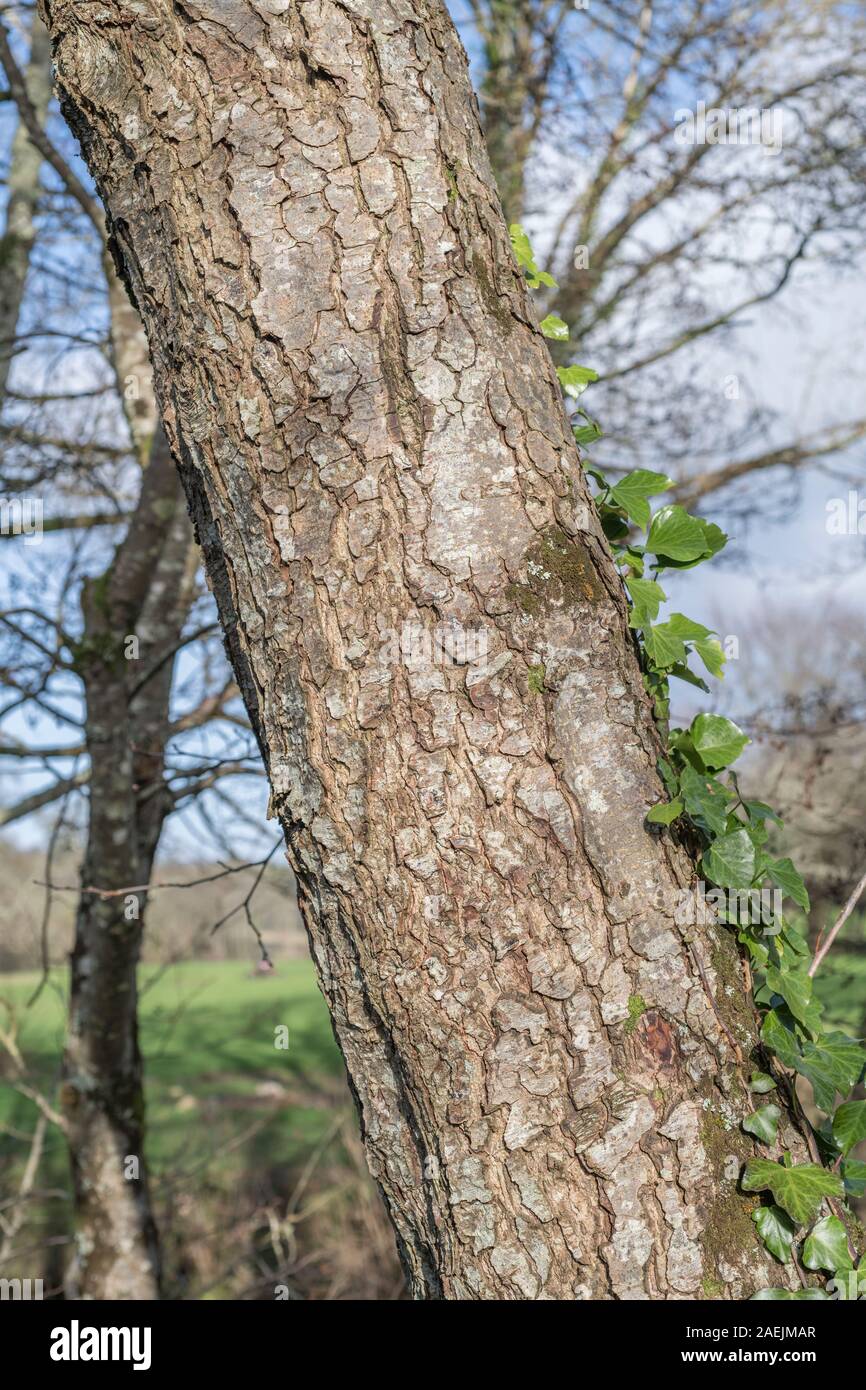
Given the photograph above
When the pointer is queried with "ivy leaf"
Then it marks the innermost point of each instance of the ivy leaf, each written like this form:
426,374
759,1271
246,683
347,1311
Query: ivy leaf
776,1230
800,1189
730,860
833,1064
795,987
849,1124
705,799
780,1038
687,628
711,654
574,380
714,540
791,1295
854,1177
826,1246
761,1083
764,1123
759,810
683,673
714,536
668,776
847,1284
613,523
646,596
665,812
757,950
554,327
586,434
662,646
785,876
632,491
525,259
680,741
594,473
674,535
717,740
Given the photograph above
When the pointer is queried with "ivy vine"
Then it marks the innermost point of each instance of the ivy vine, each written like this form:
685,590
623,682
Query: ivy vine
807,1220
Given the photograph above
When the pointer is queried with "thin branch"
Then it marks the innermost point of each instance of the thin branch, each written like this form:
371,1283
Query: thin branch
824,947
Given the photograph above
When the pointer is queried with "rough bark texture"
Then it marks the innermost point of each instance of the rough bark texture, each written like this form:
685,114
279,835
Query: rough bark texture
371,435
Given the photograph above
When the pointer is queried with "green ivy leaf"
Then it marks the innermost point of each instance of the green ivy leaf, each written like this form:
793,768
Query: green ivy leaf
776,1230
683,673
764,1123
847,1285
795,987
785,876
526,260
586,434
675,535
632,491
826,1246
761,1083
730,860
714,540
665,812
668,776
554,327
706,800
800,1189
711,654
687,628
854,1177
833,1064
574,380
717,740
662,646
849,1124
647,596
596,474
613,523
759,810
780,1038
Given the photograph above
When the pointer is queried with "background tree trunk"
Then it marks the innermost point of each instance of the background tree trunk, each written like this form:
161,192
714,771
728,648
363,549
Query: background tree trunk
145,593
373,442
19,232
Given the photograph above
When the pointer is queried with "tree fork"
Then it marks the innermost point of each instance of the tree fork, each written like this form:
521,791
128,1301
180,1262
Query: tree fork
372,441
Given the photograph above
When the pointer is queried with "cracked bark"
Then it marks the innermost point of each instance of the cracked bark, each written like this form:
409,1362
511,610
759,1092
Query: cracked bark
371,435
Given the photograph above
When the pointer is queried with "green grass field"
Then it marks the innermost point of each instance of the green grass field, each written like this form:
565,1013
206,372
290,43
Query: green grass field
234,1123
208,1039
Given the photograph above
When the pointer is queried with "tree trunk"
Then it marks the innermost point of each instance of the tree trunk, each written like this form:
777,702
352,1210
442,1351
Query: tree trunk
373,445
145,593
510,29
19,233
